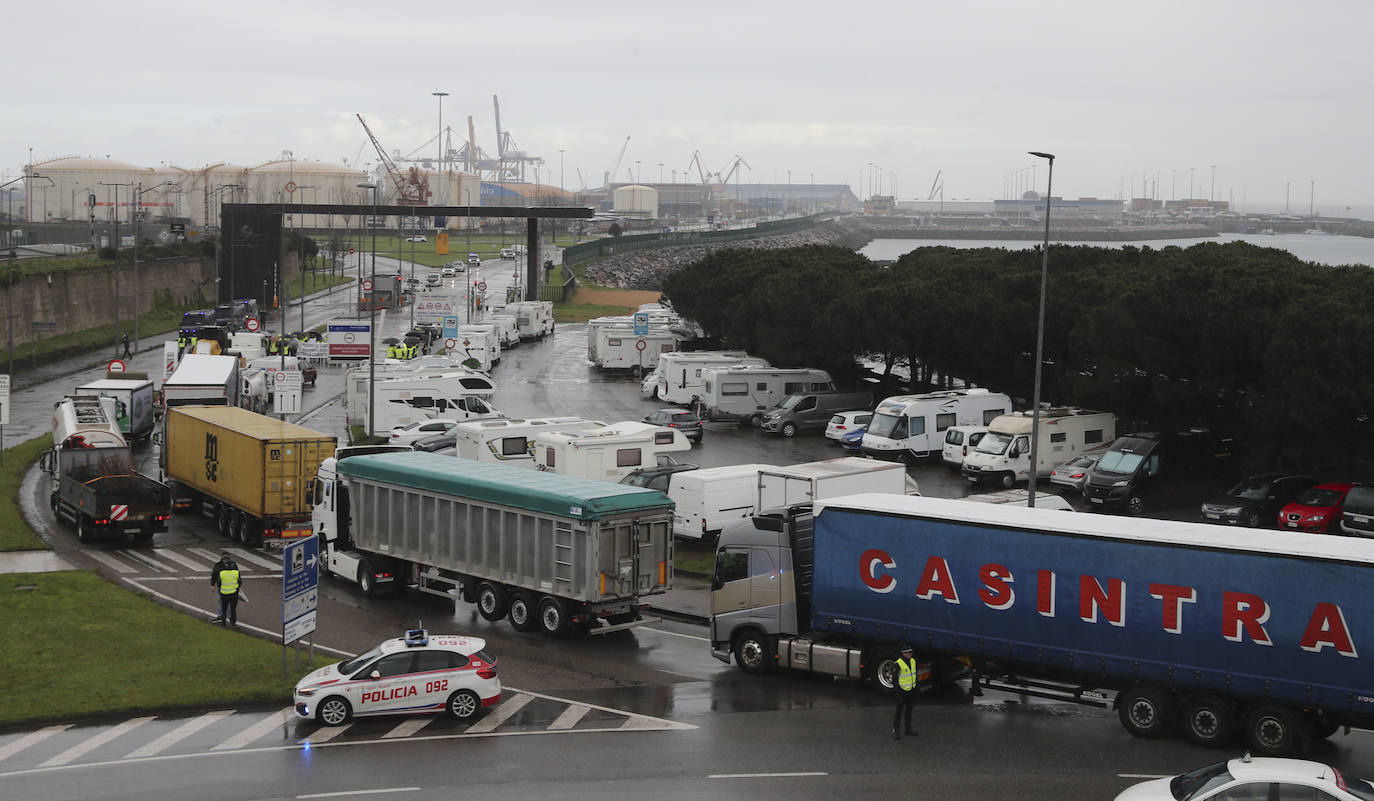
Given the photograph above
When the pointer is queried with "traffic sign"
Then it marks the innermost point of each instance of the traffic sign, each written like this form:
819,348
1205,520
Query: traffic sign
295,629
286,394
300,585
640,344
481,286
367,285
252,324
290,186
641,324
115,366
4,400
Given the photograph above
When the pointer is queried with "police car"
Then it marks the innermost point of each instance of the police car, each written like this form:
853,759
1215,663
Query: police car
414,674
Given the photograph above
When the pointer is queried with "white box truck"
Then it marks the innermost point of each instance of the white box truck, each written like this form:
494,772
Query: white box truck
133,399
831,478
1002,456
742,394
705,500
510,441
204,381
913,426
608,453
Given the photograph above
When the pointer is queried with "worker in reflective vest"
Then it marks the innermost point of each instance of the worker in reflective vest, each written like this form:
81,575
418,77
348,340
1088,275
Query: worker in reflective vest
224,577
906,693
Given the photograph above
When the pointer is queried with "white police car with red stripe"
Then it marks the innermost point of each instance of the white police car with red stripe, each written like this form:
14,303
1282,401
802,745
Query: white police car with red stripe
414,674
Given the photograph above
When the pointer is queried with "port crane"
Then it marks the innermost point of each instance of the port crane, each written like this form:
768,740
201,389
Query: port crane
412,187
734,166
936,187
619,158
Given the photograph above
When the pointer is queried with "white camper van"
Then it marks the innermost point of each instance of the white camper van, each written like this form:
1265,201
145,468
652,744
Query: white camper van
705,500
409,397
608,453
658,321
623,349
481,342
913,426
1003,454
680,374
533,318
507,327
743,393
510,441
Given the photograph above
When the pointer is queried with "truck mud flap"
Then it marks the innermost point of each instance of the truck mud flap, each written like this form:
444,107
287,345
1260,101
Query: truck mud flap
643,621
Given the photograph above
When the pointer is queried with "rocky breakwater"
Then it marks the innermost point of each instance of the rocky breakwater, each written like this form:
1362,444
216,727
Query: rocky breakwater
647,269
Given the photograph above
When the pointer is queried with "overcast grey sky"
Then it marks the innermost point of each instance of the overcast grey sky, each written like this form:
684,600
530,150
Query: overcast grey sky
1271,93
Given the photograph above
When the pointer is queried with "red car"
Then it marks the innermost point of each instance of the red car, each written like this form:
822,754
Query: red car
1316,509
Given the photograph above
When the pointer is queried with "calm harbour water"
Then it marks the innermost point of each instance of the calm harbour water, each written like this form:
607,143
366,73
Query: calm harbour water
1319,248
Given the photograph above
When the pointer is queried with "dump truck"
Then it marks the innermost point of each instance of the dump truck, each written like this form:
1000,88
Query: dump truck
1224,632
548,552
133,402
249,472
94,483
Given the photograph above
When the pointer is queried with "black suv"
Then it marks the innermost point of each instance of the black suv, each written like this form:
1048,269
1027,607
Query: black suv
1256,501
689,424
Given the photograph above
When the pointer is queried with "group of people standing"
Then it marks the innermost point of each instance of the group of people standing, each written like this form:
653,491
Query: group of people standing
402,350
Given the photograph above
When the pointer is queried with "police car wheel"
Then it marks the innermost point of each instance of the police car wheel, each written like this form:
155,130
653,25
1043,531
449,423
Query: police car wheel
464,705
334,711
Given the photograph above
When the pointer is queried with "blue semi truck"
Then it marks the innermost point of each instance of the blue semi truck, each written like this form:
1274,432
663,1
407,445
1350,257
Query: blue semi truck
1175,625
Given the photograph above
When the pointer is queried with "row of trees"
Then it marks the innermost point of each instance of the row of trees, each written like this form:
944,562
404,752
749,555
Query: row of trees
1243,338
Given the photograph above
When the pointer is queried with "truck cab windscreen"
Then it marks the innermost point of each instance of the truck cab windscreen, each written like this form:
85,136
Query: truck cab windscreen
891,426
1120,462
994,443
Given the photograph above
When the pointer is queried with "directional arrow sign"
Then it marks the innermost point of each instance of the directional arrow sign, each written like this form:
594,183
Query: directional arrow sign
299,605
300,569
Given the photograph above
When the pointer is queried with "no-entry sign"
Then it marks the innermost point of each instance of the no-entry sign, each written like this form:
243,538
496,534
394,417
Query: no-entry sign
251,324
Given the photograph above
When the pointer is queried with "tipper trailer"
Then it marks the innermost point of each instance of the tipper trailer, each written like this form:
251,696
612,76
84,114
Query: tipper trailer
1216,630
546,551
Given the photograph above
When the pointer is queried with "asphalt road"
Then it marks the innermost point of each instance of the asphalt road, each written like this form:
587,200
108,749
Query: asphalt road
645,712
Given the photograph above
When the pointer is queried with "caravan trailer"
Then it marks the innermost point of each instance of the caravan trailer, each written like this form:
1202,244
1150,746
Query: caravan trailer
608,453
743,393
403,398
913,426
510,441
681,374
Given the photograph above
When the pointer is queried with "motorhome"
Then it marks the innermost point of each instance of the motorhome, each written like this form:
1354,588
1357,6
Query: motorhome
1002,456
608,453
533,318
913,426
658,320
623,349
511,441
408,397
479,342
507,327
705,500
680,372
744,393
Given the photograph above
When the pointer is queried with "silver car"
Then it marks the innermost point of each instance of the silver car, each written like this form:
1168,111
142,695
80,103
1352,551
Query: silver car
1074,473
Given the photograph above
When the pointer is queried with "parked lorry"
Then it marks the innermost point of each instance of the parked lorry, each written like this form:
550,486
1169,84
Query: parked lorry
829,478
133,399
547,552
1002,456
203,380
249,472
913,426
1218,630
93,481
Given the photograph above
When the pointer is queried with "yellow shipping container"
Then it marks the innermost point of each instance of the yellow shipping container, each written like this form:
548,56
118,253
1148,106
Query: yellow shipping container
254,463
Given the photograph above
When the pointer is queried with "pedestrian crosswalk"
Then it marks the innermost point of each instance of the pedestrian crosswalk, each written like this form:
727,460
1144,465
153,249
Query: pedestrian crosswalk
67,745
181,561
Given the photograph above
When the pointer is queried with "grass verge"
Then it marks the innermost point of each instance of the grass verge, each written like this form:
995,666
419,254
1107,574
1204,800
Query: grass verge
15,534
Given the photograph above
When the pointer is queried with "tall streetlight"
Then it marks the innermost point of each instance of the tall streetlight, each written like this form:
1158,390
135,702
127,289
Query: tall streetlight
1212,192
467,229
442,183
372,320
1040,335
138,220
114,212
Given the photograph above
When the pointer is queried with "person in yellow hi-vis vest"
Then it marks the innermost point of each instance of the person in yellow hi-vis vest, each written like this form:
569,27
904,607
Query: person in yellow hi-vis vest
906,693
224,577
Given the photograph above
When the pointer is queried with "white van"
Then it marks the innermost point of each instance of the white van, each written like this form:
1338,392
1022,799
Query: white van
533,318
510,441
959,441
913,426
623,349
680,374
408,397
1003,456
506,326
708,499
608,453
743,393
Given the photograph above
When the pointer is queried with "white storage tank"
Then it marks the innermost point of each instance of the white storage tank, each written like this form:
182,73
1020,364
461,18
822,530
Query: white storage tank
636,200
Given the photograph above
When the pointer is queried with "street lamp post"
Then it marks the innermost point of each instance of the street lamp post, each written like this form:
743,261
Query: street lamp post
114,243
372,321
138,221
467,229
443,183
1040,336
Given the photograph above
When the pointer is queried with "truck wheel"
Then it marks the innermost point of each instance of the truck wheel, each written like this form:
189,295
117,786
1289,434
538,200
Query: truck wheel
884,672
236,526
83,529
1321,727
223,520
491,601
464,705
1273,730
522,616
751,652
789,430
366,581
553,616
1135,505
1208,721
1008,480
334,711
1144,711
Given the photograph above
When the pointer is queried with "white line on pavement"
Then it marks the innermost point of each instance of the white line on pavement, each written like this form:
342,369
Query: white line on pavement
570,716
501,714
92,743
257,730
765,775
30,739
361,792
179,733
111,562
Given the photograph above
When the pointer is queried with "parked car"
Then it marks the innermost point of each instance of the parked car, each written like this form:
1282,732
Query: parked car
417,238
434,443
1258,778
959,440
689,424
433,280
412,284
1357,515
507,253
1255,501
448,272
658,476
407,435
1074,473
1315,509
845,422
810,411
852,440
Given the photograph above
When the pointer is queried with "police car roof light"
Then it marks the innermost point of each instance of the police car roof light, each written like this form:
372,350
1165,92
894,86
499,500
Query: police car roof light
416,637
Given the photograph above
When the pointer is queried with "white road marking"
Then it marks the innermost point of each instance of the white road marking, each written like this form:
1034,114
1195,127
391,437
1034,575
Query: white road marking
31,739
255,731
146,560
361,792
408,727
111,562
570,716
765,775
168,553
501,714
92,743
205,554
254,559
179,733
324,734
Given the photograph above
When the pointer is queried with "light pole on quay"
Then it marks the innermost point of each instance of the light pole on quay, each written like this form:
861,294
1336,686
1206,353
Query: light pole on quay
1040,336
138,221
372,320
